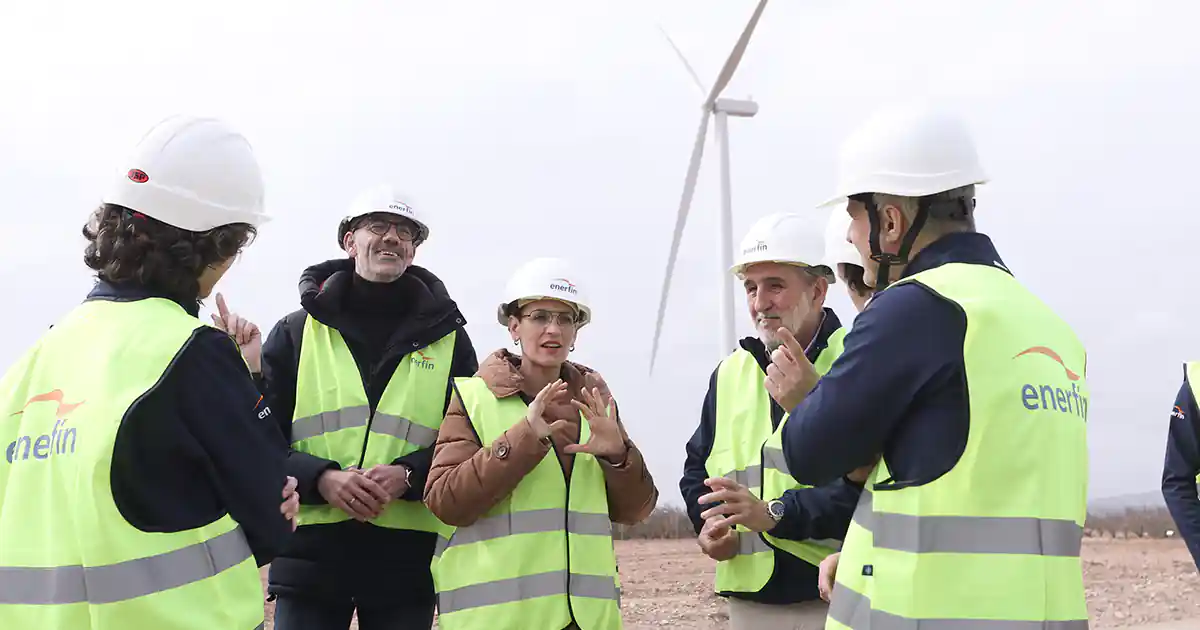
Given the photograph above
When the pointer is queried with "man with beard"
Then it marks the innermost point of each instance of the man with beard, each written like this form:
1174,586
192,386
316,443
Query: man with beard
359,379
733,458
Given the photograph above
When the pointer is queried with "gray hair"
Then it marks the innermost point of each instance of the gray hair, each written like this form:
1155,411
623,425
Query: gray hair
945,208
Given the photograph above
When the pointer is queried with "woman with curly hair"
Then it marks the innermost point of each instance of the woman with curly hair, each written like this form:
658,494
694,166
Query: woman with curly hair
141,486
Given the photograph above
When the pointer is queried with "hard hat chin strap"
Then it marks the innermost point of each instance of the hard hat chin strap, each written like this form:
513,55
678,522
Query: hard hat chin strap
886,260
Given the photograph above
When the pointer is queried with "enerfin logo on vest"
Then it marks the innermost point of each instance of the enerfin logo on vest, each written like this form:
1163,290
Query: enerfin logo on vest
1050,397
60,440
422,361
564,285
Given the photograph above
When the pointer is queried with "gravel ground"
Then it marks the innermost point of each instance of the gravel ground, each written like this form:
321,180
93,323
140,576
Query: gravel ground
1130,584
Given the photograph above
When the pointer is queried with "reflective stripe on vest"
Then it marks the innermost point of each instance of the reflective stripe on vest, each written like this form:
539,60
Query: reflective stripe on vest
332,419
541,556
1007,520
69,559
745,450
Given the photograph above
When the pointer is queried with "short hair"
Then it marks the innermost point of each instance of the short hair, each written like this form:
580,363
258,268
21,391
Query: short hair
949,211
852,275
125,246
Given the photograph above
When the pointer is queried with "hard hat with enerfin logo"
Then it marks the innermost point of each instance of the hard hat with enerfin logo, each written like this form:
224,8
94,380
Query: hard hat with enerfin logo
192,173
784,237
910,150
544,278
837,249
388,199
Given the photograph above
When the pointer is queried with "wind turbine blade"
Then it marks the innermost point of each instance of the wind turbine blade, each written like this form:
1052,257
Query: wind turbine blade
679,53
735,56
689,187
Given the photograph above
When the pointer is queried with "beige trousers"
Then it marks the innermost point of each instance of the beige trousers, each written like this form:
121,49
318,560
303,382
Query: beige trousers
744,615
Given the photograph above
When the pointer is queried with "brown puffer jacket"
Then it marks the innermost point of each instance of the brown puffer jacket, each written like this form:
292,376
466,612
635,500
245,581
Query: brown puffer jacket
466,480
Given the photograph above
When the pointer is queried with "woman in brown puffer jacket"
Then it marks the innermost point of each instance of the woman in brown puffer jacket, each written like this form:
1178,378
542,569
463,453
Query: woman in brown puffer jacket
533,507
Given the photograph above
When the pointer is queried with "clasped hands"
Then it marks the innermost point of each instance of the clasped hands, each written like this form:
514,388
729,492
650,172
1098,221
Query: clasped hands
363,494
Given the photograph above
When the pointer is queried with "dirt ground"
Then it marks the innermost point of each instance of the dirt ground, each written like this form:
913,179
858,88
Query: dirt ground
1130,584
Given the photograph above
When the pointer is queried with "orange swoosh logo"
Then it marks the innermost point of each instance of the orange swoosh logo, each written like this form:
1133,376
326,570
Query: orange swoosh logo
1047,352
55,396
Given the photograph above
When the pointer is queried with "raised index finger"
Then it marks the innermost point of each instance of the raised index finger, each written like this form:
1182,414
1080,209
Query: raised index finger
222,309
790,343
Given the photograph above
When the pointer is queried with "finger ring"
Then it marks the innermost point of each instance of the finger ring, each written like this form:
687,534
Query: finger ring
352,500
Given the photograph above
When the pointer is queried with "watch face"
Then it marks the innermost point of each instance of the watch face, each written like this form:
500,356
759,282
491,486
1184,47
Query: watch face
776,509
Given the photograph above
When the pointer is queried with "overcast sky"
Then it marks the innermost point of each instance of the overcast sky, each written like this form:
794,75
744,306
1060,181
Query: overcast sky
561,128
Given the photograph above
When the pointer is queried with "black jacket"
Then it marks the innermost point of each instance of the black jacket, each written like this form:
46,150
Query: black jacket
381,323
817,513
1180,467
912,406
199,445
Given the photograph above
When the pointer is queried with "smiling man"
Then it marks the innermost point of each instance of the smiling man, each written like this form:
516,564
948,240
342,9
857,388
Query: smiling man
359,379
734,458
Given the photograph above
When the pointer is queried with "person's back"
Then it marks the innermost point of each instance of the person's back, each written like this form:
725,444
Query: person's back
139,488
1017,494
964,389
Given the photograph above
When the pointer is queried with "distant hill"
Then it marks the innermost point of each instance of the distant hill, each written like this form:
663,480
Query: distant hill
1119,503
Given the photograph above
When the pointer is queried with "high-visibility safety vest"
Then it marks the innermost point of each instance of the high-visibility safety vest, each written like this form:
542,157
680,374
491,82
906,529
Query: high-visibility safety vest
993,543
68,559
542,556
746,450
333,420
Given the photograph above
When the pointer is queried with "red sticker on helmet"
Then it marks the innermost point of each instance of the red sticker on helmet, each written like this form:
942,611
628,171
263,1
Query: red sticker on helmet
138,175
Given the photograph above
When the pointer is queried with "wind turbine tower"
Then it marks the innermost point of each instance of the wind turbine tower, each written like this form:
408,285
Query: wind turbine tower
721,109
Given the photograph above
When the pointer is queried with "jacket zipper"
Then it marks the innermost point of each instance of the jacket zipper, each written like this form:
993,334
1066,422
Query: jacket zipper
566,520
362,455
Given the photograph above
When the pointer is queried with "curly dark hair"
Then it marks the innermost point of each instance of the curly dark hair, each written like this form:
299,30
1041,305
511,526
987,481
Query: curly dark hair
127,247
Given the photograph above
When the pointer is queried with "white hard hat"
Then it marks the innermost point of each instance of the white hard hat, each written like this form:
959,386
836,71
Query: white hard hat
544,278
783,237
193,173
837,249
384,198
910,151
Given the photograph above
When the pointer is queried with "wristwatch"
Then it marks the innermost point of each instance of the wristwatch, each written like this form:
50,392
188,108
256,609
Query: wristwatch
775,509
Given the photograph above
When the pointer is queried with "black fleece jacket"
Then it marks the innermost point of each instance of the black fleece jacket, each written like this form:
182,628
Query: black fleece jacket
381,324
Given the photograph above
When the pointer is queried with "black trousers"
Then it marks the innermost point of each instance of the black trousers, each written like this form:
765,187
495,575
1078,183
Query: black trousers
300,613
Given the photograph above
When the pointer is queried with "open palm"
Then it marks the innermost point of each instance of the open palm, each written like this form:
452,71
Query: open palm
606,440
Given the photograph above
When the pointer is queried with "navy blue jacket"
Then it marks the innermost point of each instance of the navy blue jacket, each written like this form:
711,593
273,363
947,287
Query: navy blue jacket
899,387
1181,467
822,512
381,324
201,444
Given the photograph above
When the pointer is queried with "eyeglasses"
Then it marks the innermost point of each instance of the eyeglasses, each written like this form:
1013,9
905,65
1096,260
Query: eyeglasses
543,318
380,227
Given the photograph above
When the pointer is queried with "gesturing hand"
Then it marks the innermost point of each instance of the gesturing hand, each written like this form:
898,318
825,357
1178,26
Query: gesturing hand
291,501
552,391
606,440
718,542
791,376
826,574
353,493
738,506
244,332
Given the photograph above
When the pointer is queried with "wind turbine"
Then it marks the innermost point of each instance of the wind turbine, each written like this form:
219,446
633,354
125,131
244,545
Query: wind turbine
721,108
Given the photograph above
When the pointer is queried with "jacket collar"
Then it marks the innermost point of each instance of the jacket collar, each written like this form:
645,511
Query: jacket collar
957,247
132,292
